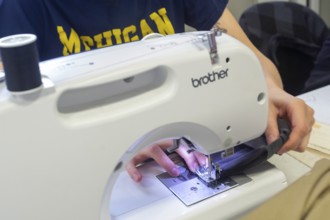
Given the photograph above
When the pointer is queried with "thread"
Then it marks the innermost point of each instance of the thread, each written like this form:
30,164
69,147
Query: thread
20,61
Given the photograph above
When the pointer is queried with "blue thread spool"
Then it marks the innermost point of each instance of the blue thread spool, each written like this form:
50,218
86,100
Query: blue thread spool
20,61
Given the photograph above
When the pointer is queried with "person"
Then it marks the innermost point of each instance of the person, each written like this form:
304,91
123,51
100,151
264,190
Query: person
65,27
309,197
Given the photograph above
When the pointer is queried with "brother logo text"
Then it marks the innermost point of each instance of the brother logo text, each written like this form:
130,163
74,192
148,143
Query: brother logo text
210,77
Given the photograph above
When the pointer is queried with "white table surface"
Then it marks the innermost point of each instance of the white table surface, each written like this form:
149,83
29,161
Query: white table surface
294,164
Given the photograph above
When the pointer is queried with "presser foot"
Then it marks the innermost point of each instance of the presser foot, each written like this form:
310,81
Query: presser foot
209,175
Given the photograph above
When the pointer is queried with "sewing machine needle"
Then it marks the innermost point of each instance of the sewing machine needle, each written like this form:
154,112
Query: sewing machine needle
209,166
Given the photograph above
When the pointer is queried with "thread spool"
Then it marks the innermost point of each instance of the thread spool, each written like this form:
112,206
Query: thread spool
20,61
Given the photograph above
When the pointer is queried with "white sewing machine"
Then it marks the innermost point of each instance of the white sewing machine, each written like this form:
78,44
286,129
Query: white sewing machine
64,145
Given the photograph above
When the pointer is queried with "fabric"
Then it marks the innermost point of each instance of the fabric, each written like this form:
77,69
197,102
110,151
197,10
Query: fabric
251,153
308,198
65,27
288,33
320,74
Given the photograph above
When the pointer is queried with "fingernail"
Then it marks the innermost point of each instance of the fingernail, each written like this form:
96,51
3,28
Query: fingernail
175,171
195,167
135,177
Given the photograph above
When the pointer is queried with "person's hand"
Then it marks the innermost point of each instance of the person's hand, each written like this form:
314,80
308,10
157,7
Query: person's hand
156,152
282,104
299,115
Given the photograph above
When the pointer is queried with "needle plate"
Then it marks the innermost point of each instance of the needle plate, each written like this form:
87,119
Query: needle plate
190,189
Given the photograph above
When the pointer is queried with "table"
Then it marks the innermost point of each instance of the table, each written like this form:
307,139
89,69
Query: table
295,164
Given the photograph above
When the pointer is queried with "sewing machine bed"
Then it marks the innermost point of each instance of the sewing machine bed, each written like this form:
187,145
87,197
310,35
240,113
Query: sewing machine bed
151,198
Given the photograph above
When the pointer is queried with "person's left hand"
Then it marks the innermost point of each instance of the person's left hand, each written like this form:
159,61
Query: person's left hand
156,152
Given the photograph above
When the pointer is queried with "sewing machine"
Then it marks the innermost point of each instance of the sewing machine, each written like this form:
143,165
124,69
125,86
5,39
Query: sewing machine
64,144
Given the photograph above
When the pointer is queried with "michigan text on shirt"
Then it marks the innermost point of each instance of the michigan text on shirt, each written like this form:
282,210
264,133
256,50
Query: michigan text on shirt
73,43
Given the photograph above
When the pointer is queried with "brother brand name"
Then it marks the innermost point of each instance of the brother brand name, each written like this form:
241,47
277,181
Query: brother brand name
210,77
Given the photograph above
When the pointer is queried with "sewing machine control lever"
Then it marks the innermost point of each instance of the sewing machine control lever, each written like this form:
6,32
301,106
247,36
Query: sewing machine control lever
213,46
176,145
177,142
211,35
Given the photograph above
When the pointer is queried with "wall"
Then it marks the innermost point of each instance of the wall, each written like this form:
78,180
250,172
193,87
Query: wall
325,11
238,6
